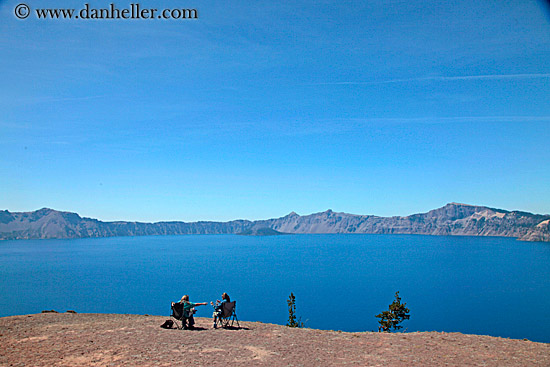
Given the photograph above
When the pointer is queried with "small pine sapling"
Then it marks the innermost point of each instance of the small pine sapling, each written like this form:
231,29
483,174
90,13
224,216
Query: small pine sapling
397,313
292,321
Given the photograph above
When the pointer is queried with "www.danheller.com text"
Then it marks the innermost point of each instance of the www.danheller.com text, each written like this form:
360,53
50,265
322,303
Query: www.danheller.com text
133,11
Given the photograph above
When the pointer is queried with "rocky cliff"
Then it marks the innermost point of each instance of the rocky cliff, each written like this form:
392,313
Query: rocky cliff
452,219
49,223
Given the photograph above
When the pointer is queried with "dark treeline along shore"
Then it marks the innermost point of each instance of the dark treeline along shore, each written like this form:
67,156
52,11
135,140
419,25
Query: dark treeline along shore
452,219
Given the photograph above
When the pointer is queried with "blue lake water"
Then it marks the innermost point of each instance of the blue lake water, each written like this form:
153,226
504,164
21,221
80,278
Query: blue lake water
491,286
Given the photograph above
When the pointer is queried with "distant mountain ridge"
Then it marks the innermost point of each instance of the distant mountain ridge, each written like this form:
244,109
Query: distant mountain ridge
453,219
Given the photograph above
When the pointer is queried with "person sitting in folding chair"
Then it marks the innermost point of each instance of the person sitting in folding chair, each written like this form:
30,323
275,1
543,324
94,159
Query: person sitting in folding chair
188,310
218,308
224,312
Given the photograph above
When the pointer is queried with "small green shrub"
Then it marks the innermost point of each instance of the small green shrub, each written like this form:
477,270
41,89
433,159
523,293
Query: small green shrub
292,321
397,313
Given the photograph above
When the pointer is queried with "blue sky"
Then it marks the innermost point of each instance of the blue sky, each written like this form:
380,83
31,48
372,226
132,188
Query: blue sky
257,109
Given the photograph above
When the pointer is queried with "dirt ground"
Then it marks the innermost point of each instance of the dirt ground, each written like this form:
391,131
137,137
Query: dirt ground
67,339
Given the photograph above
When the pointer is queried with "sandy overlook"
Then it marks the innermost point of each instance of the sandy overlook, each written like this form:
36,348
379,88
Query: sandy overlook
67,339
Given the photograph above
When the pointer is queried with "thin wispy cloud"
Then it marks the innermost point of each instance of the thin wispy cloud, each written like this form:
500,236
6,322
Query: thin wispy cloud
347,125
71,99
443,79
432,119
47,99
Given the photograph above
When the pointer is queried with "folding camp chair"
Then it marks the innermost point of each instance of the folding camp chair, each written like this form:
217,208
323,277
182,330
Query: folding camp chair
178,314
228,315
